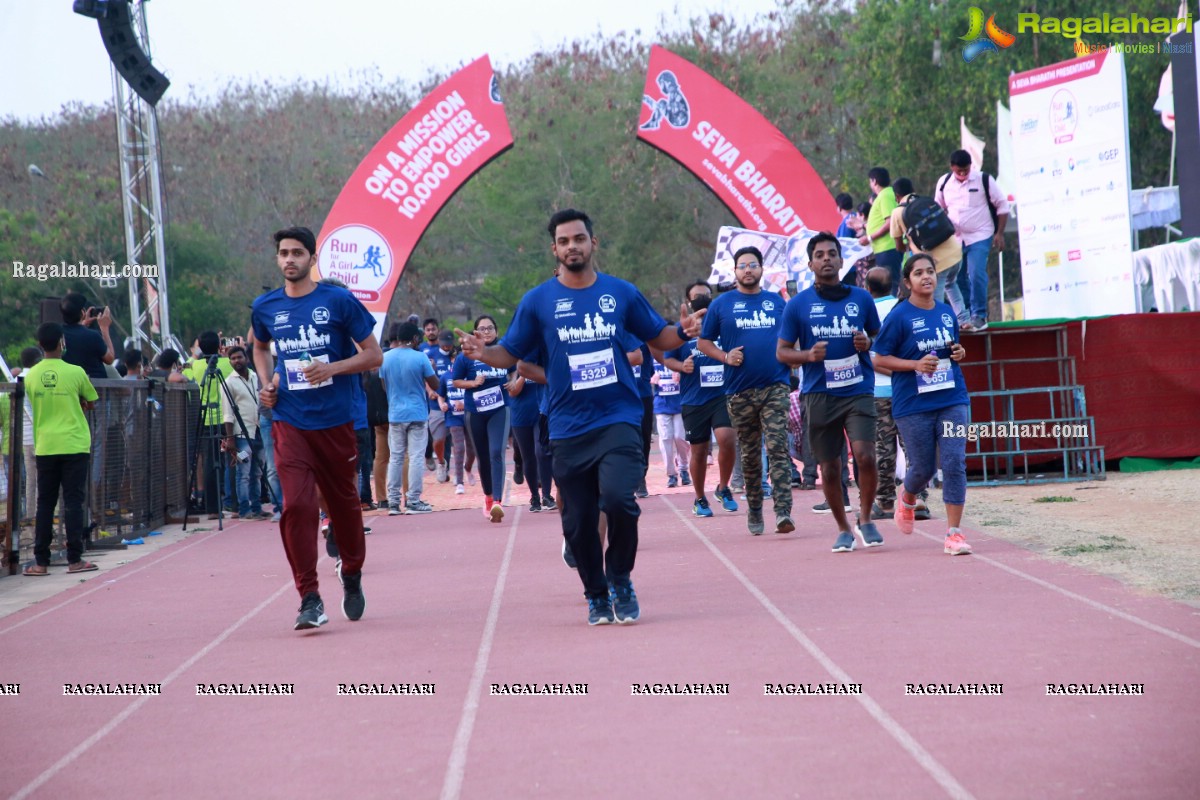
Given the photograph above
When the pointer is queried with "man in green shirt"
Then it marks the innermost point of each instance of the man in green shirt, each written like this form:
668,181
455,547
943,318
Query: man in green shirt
59,392
878,232
210,472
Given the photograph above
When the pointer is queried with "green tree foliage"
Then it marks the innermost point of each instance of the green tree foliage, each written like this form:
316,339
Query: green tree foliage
852,83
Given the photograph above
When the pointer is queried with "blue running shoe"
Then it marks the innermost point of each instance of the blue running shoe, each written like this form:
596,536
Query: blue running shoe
700,508
844,543
600,611
725,495
625,603
869,534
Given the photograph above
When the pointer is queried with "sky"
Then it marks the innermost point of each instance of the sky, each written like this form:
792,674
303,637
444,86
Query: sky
56,57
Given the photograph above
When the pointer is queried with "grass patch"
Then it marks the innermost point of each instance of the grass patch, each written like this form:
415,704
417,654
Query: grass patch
1105,544
1058,498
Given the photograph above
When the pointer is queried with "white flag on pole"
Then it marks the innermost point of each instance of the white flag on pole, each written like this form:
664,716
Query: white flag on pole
1005,166
972,144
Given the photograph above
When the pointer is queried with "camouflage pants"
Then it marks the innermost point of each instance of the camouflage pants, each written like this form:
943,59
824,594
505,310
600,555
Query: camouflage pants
887,435
755,414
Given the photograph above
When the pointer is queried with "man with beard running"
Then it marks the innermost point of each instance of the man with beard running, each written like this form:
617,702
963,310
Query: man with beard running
580,320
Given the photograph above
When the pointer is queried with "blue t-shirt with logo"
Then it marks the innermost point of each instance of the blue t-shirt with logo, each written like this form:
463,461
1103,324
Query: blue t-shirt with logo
456,399
403,374
911,332
322,325
705,381
750,321
582,333
643,371
666,391
488,398
442,365
524,407
810,318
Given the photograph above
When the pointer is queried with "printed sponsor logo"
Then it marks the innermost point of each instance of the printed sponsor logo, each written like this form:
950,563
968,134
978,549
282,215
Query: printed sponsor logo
1053,258
608,303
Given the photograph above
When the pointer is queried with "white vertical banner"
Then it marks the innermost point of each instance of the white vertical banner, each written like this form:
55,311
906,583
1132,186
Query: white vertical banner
972,144
1005,169
1071,153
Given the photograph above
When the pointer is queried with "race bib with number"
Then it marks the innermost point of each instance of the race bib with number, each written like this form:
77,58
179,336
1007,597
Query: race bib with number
940,378
843,372
489,399
455,401
296,381
668,388
712,376
592,370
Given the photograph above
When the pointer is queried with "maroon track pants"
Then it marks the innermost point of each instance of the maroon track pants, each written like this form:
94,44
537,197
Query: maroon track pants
326,460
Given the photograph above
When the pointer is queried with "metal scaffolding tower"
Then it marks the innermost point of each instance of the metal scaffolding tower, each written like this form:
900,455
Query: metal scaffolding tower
142,200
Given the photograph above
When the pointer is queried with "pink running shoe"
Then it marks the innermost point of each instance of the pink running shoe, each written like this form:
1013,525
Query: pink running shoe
903,516
956,544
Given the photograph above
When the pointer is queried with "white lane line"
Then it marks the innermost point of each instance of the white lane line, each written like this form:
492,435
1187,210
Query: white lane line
922,756
106,583
132,708
456,769
1150,626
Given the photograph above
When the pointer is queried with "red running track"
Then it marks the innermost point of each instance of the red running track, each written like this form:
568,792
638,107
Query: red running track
459,603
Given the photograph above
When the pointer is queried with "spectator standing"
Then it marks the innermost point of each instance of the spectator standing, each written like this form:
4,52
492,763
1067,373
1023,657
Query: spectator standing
979,211
877,233
59,393
405,374
86,348
244,388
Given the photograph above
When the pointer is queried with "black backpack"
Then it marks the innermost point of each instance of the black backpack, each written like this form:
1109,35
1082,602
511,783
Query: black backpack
927,223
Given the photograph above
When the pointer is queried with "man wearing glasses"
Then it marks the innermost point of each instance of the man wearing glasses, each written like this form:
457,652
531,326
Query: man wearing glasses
756,384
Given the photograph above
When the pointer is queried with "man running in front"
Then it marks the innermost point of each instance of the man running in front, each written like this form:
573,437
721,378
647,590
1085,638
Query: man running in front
323,337
580,320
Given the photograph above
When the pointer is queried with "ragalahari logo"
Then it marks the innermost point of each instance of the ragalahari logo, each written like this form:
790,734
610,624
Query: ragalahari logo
995,40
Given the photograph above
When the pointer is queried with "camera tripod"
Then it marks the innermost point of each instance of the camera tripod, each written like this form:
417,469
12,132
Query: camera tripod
214,436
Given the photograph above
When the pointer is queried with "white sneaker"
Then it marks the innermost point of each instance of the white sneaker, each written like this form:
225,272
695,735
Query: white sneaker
443,472
459,489
471,478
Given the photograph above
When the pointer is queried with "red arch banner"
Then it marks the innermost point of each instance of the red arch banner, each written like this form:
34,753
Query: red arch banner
406,179
720,138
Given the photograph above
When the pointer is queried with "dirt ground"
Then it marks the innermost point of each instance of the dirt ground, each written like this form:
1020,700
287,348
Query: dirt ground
1138,528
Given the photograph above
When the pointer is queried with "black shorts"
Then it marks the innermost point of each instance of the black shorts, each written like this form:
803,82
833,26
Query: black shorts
827,416
700,421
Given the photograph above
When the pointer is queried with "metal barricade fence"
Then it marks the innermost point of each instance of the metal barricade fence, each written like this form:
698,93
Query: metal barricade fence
143,435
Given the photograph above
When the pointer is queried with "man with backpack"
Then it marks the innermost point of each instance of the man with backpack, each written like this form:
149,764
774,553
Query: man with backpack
920,225
979,211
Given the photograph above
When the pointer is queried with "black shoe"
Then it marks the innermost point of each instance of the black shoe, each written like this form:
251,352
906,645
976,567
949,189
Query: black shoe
754,521
312,613
568,555
518,474
641,489
625,603
353,602
535,505
548,503
331,548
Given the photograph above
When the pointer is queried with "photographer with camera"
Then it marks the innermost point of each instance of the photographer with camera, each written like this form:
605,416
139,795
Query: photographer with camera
86,348
209,343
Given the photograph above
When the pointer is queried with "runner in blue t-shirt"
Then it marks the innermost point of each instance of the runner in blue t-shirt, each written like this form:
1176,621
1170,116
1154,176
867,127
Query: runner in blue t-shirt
324,338
668,413
827,329
487,417
756,385
441,355
579,320
705,412
453,404
919,344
